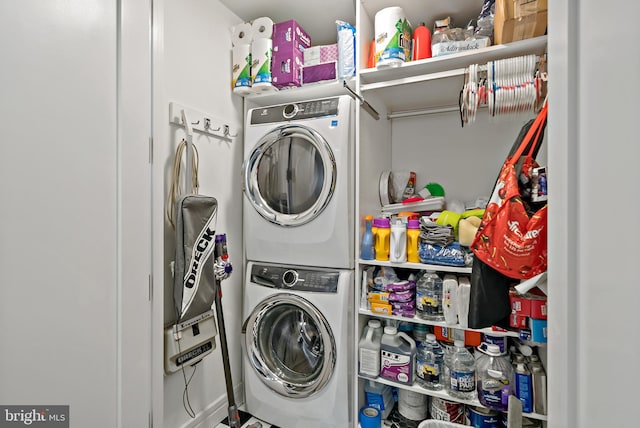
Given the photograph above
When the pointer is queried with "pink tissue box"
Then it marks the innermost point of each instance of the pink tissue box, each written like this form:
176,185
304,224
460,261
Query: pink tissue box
321,54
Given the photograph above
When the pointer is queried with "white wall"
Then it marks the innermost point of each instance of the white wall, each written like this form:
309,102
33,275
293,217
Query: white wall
193,67
593,184
74,244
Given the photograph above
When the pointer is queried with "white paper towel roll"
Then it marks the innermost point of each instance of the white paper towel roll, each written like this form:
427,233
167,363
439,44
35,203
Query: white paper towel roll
262,28
392,44
241,69
261,76
242,34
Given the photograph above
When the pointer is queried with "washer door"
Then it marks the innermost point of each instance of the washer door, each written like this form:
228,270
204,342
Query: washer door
290,345
290,175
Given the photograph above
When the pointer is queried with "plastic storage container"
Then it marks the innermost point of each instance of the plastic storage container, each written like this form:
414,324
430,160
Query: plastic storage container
369,350
397,356
494,379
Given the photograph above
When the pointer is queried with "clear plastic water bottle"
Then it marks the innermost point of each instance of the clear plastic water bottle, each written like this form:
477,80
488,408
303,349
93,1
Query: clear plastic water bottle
495,377
429,297
462,373
430,364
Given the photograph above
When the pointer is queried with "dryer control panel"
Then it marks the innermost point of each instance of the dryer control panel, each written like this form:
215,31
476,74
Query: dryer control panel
290,278
295,111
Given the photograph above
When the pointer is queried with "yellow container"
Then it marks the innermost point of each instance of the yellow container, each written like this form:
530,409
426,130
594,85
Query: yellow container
382,238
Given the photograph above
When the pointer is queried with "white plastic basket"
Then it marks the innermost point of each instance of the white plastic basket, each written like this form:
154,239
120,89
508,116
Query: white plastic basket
432,423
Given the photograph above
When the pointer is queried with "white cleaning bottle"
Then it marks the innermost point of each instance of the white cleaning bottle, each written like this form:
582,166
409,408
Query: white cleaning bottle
398,244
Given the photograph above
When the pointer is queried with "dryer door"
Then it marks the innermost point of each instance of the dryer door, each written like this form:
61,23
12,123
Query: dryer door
290,345
290,175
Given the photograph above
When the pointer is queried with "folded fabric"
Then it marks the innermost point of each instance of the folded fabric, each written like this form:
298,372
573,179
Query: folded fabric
435,234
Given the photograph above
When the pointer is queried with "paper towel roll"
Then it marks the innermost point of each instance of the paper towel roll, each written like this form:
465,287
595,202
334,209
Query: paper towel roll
241,69
261,76
262,28
242,34
393,36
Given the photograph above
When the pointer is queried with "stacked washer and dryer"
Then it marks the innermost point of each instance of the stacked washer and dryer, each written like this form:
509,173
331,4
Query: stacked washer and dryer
298,182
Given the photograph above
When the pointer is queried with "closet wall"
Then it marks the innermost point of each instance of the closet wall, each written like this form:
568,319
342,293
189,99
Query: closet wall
191,66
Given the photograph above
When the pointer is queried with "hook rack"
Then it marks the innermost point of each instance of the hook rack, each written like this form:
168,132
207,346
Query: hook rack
200,122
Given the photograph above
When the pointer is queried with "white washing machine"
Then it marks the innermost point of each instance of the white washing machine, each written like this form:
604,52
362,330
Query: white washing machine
298,345
298,182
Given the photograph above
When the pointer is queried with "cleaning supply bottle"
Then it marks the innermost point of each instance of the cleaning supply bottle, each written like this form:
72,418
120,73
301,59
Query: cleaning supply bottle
367,251
421,43
398,242
369,349
397,356
382,238
494,379
450,299
380,396
413,238
524,387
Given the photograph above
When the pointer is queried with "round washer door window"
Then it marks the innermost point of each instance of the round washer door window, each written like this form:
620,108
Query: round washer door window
290,176
290,345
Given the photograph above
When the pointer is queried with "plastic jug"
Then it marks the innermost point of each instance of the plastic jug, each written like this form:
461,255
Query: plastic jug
382,238
398,242
369,350
397,356
413,238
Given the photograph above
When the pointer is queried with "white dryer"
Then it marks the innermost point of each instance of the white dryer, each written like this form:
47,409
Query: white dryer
298,345
298,182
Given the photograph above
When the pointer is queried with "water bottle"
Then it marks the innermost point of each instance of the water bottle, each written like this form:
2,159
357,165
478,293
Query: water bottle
429,297
494,379
398,242
420,332
462,373
523,387
430,364
367,251
369,350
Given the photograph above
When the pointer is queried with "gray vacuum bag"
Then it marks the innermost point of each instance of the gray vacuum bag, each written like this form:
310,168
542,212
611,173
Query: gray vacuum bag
194,282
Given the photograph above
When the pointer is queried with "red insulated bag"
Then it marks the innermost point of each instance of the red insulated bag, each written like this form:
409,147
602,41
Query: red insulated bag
510,240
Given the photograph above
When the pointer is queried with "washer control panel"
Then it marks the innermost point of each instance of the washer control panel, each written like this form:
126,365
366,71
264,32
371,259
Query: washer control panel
288,278
295,111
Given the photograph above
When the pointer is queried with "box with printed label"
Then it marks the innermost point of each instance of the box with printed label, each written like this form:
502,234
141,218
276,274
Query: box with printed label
538,308
518,321
538,330
447,334
289,42
319,72
321,54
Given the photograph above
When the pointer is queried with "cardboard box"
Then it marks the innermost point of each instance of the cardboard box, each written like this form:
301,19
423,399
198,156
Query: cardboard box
518,20
532,304
289,41
518,321
319,72
321,54
538,330
448,334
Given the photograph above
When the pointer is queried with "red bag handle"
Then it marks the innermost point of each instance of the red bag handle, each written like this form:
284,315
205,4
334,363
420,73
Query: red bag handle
536,128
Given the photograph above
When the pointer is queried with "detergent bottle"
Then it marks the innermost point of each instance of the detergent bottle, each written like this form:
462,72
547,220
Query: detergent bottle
382,238
367,251
413,237
398,242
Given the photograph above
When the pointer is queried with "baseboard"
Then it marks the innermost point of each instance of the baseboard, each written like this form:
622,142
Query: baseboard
216,411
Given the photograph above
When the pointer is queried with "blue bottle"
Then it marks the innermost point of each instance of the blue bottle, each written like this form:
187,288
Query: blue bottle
367,251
